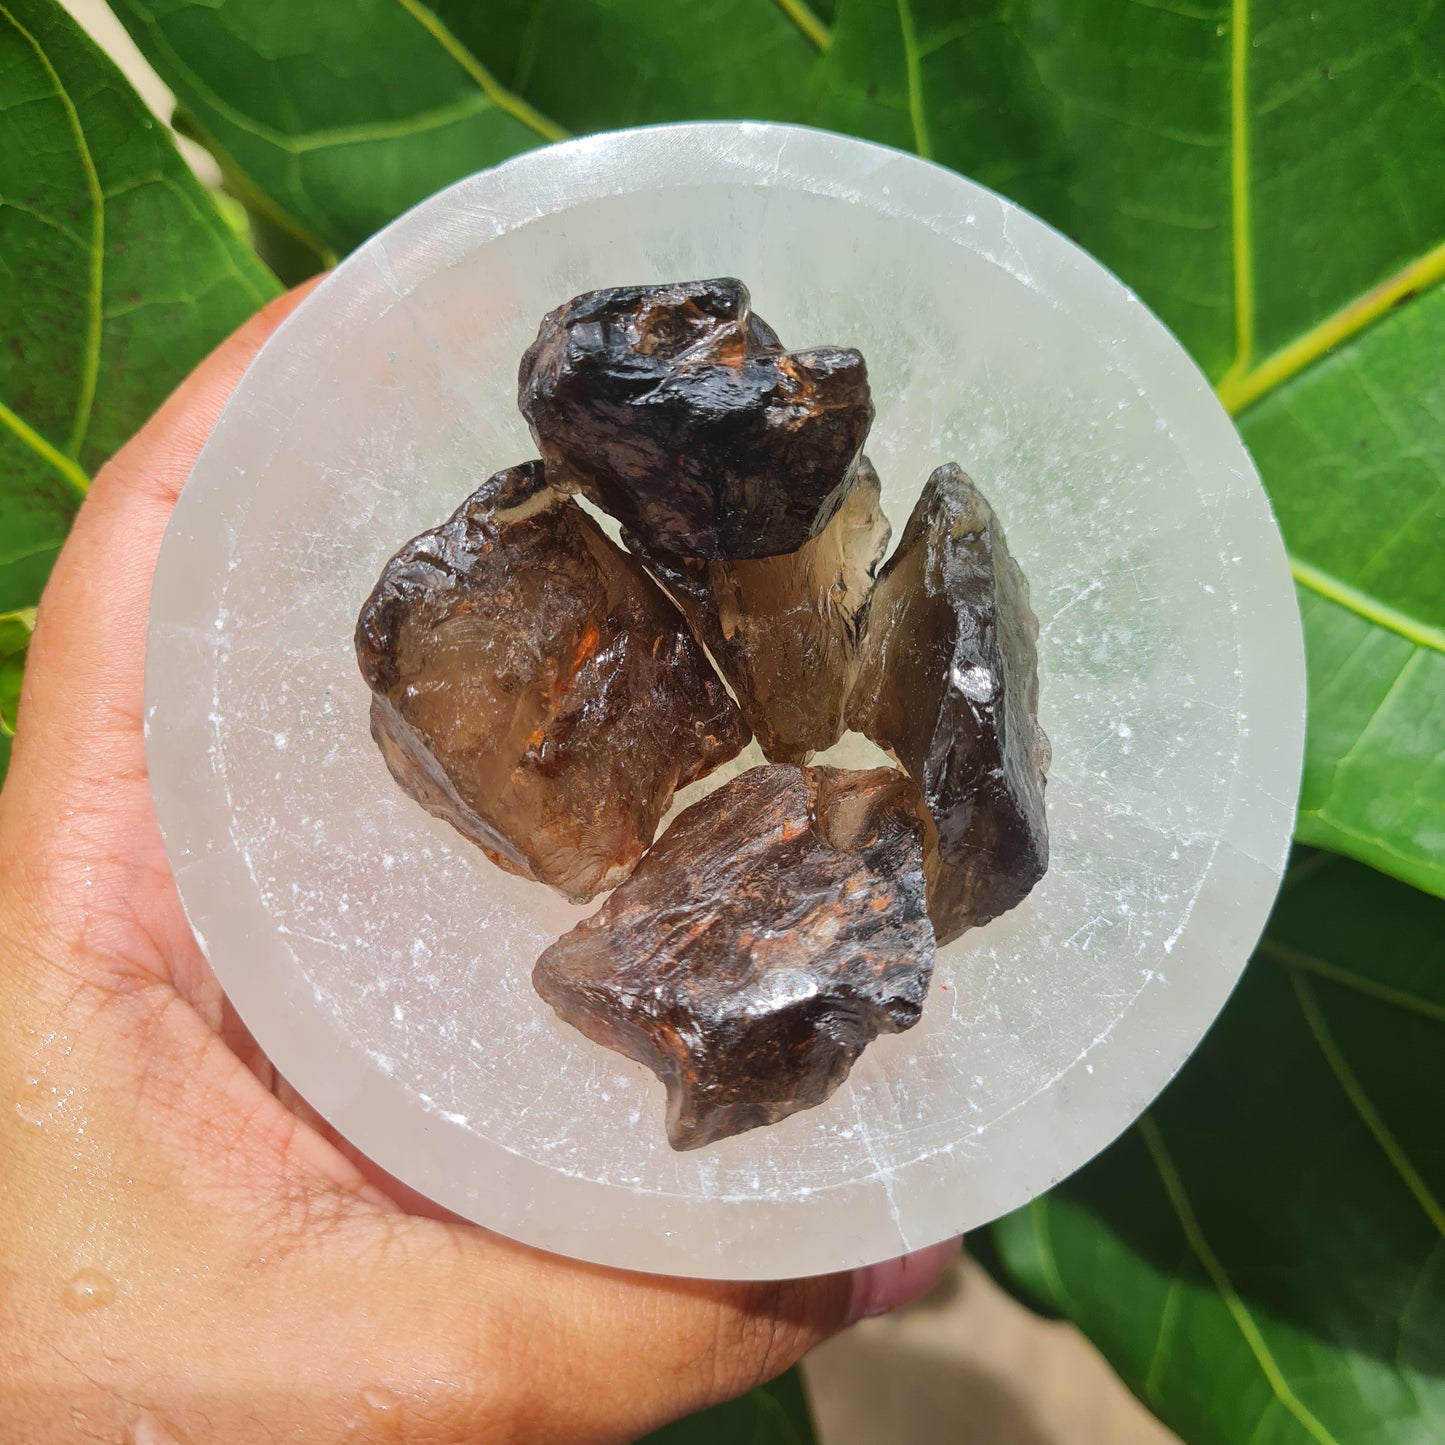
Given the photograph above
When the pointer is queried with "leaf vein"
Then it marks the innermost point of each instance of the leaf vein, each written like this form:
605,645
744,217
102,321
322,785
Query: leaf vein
913,68
801,14
1362,1104
400,128
1044,1242
1242,245
180,194
485,81
251,195
1180,12
1243,1319
59,227
951,35
1164,1339
22,554
48,453
1345,758
1356,835
90,357
1397,997
1370,608
1238,391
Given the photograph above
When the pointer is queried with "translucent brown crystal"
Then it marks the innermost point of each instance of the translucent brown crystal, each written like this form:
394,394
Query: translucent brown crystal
678,411
772,932
949,684
535,688
785,631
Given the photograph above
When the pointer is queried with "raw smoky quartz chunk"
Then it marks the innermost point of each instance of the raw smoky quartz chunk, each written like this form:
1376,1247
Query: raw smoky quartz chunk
535,688
786,631
678,411
547,692
949,684
774,930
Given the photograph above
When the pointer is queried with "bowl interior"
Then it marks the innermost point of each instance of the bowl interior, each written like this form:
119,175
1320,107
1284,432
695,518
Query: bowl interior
385,964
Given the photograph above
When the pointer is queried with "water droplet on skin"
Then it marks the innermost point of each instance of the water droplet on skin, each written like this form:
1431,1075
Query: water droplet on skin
88,1289
33,1105
153,1429
380,1400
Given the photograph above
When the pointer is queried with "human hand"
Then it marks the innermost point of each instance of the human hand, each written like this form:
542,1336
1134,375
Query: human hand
187,1252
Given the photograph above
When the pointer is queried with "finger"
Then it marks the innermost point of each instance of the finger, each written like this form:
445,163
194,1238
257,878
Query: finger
894,1283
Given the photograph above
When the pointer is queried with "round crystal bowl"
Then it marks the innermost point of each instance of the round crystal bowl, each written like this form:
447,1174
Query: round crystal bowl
384,964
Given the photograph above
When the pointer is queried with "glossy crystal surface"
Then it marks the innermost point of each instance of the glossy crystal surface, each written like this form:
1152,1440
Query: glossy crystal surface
533,687
774,930
786,631
949,684
680,413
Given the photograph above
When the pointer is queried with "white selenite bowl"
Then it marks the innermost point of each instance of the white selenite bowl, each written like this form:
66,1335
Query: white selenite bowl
384,964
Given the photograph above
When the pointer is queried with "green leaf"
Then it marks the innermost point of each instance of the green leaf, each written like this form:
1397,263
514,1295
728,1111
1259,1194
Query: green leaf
343,127
1242,165
1211,152
116,276
1263,1257
15,630
1354,449
774,1414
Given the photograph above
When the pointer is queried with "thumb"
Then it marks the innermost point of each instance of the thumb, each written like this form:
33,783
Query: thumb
81,702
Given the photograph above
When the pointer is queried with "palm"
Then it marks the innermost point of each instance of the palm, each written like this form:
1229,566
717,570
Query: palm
235,1232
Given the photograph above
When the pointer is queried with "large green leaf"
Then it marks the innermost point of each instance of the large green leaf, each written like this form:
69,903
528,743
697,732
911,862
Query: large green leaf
117,274
1245,167
1354,449
1263,1257
773,1414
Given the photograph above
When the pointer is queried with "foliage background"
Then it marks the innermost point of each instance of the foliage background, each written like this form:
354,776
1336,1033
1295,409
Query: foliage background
1261,1257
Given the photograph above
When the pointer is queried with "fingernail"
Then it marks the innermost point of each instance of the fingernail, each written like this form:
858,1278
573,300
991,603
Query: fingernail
898,1282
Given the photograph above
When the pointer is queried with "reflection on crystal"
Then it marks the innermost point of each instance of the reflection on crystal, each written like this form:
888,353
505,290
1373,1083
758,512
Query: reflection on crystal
785,631
536,689
678,411
949,683
774,930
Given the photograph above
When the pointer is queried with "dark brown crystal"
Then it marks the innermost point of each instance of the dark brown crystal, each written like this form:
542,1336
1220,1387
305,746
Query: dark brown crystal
949,684
535,688
785,631
772,932
678,411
